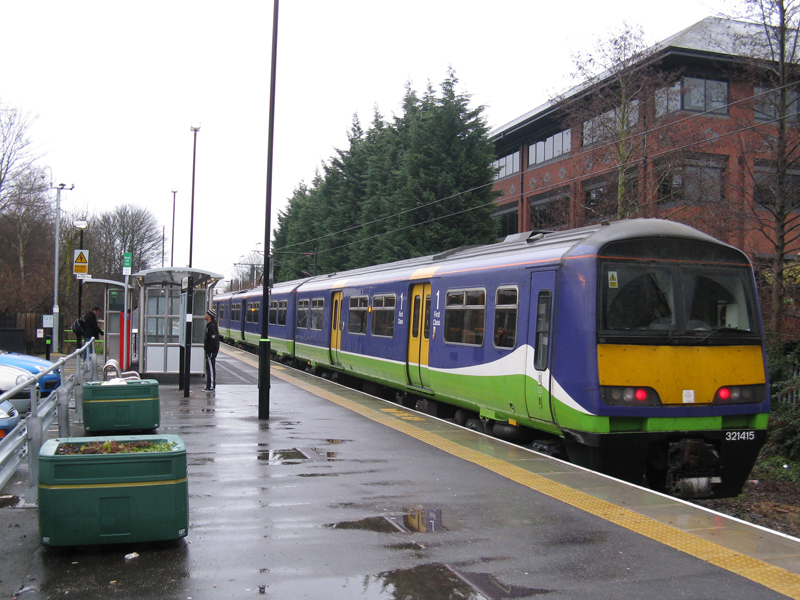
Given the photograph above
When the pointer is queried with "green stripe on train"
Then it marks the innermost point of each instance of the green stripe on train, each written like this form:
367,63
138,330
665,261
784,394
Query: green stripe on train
505,397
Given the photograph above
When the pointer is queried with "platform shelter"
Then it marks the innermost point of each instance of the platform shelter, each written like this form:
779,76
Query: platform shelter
163,316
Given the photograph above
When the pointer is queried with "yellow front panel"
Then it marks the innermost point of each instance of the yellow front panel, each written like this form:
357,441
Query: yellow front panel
671,370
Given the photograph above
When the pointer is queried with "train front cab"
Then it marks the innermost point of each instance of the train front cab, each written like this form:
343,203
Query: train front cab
679,374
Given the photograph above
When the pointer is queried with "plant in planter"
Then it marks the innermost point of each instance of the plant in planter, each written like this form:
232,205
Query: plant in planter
121,489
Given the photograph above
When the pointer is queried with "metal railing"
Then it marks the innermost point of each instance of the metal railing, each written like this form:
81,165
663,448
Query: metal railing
26,439
789,397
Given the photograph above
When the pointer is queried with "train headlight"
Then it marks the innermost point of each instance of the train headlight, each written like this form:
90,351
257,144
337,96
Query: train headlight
739,394
629,396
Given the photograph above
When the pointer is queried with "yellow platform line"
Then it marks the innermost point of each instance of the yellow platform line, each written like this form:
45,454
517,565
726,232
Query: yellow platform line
770,576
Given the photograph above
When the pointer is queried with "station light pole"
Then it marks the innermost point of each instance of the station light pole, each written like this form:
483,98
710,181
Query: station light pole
172,251
187,369
264,345
81,225
56,319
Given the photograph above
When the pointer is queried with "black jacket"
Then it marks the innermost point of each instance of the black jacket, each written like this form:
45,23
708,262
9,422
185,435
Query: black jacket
92,328
211,341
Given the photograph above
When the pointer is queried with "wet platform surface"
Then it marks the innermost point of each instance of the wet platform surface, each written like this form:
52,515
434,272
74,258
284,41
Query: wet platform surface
340,495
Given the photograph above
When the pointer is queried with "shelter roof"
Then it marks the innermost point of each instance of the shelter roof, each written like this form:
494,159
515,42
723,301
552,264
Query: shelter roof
173,276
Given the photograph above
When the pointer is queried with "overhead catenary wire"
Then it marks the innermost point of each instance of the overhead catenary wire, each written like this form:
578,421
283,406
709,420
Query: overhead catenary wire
561,183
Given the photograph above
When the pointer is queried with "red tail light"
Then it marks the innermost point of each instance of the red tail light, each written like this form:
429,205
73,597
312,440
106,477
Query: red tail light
629,396
740,394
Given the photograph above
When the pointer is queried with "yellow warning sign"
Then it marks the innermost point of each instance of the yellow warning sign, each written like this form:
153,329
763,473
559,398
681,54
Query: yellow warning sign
80,262
613,282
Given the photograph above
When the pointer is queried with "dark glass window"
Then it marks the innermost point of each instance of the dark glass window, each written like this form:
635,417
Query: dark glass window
464,316
542,351
383,315
302,314
357,316
317,313
505,318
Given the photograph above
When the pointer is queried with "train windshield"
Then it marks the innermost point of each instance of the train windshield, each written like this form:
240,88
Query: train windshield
683,300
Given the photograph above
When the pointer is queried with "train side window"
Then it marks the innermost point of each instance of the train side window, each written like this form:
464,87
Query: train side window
317,313
220,312
302,314
426,331
273,312
415,318
543,311
282,306
236,311
383,315
505,318
357,316
251,315
464,316
335,315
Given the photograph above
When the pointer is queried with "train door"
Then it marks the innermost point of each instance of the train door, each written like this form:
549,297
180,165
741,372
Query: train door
242,318
538,380
336,327
419,335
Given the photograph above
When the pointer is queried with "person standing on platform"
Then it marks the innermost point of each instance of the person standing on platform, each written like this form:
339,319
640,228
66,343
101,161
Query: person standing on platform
91,328
211,347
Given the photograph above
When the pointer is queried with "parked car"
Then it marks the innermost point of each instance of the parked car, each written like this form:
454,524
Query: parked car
35,365
9,417
11,377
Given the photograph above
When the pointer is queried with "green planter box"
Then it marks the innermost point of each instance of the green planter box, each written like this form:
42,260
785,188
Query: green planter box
113,498
131,407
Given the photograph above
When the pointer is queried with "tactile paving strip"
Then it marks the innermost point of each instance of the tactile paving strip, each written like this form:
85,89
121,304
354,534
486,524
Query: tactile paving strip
775,578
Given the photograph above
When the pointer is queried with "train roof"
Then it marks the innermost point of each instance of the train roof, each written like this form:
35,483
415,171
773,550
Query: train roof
532,248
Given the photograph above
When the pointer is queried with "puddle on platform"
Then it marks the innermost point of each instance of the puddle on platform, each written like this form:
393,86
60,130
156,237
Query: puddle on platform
282,457
294,456
428,582
446,582
8,501
425,520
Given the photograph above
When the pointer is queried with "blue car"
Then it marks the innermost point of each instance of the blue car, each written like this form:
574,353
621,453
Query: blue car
34,365
9,417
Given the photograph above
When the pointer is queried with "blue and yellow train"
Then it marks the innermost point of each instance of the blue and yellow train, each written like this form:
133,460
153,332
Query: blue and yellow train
635,347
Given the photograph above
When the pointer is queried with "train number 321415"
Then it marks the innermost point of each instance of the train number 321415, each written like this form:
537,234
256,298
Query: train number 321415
740,436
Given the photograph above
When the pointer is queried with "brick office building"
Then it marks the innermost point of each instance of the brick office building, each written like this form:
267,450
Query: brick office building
696,149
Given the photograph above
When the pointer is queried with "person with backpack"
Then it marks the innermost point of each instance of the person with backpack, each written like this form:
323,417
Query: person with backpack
77,328
91,327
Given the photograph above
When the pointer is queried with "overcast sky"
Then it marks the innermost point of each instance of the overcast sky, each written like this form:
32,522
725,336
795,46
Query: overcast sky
115,87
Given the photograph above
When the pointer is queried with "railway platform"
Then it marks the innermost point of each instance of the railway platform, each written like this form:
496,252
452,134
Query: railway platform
340,495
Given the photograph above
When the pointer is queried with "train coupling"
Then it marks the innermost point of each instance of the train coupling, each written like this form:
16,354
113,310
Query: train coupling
691,469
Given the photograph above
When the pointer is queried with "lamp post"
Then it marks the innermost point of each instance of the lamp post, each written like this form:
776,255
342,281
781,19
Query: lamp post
172,251
187,369
56,319
81,225
264,344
